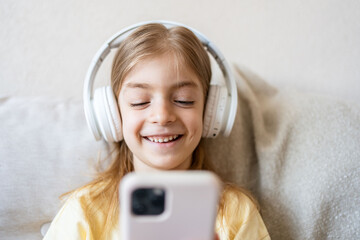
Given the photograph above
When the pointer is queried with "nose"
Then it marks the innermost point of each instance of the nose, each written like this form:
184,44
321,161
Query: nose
162,113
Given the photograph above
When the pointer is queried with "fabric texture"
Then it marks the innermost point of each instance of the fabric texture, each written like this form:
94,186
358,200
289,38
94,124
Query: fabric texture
297,152
72,223
45,151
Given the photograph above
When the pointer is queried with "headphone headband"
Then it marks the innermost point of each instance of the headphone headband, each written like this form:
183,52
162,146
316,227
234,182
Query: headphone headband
115,41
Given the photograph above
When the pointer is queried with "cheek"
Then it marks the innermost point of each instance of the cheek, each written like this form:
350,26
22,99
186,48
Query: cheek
127,122
194,122
130,122
131,130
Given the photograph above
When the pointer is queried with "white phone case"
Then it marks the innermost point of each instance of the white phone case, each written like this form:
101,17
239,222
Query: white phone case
191,199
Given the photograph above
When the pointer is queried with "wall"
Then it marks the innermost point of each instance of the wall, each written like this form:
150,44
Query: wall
46,46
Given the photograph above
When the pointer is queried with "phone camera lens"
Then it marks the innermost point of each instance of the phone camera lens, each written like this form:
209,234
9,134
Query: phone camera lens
138,208
157,199
148,201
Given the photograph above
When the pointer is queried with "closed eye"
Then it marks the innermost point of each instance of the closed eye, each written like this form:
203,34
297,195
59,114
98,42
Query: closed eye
138,104
186,103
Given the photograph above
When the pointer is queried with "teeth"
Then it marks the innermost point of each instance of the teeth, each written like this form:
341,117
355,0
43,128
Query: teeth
164,139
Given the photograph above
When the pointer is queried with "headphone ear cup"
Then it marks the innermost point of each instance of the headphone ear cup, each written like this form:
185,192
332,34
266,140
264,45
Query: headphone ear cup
107,114
215,108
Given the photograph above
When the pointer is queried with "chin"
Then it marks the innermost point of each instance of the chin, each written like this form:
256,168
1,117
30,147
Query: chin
166,165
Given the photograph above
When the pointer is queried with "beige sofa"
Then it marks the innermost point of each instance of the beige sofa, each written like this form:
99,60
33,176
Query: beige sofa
298,153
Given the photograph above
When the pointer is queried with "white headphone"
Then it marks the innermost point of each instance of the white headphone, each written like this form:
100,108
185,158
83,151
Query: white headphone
102,111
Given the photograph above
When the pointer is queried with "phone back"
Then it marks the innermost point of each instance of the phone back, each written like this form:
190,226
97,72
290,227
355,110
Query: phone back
171,205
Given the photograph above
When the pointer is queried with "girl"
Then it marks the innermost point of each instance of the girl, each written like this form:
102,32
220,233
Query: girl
160,78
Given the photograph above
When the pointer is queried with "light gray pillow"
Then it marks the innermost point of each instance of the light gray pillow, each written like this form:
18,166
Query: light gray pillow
45,151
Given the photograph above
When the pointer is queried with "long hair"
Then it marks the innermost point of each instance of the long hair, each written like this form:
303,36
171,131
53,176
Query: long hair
150,40
146,41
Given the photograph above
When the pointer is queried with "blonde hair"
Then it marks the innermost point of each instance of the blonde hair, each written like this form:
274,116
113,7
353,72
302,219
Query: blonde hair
146,41
154,40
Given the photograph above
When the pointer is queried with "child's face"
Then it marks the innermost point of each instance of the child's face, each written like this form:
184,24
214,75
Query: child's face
161,111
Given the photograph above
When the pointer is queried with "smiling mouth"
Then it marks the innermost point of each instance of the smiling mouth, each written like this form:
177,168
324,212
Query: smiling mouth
163,139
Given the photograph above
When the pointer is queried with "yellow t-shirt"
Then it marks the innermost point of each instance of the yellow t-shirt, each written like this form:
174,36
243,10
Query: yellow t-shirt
243,221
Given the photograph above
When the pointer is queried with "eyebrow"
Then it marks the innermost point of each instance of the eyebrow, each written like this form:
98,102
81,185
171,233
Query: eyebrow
137,85
185,84
178,85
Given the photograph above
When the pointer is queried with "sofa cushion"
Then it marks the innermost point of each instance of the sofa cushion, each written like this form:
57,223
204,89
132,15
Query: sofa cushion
298,153
45,151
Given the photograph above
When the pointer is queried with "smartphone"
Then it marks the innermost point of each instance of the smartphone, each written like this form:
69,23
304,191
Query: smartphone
169,205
